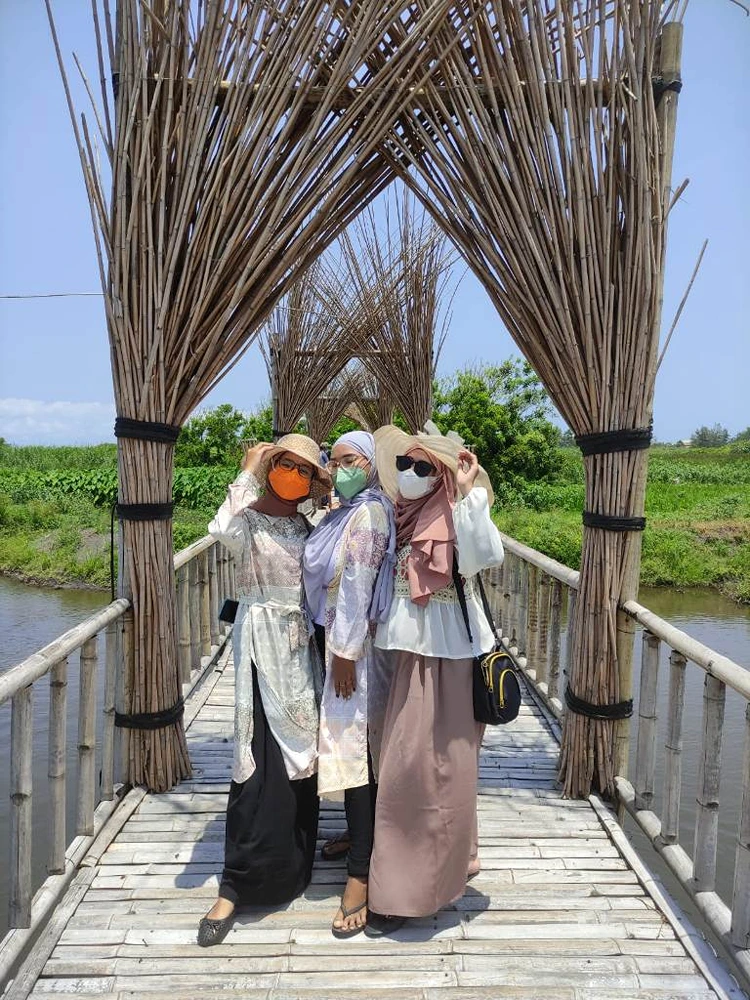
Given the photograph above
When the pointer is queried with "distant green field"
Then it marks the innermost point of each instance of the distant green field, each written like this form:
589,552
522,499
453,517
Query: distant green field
55,508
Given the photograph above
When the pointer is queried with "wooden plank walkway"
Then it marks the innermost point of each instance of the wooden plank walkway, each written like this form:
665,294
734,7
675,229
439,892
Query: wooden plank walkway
557,913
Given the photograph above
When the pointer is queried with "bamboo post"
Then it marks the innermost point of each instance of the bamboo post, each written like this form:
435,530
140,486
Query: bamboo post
56,772
645,763
572,601
213,590
123,694
505,595
21,734
532,619
542,665
740,931
553,682
670,57
108,730
87,739
523,606
709,779
223,582
205,604
195,615
183,623
670,829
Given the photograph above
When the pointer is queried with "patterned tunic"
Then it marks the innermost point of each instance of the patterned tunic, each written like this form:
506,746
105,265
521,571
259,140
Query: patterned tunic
270,630
344,723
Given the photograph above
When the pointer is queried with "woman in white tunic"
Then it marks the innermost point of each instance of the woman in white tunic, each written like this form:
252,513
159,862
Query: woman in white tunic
348,575
272,811
425,823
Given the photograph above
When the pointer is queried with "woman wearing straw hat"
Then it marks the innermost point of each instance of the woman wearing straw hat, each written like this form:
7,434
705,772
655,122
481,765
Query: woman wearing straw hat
272,812
425,825
348,577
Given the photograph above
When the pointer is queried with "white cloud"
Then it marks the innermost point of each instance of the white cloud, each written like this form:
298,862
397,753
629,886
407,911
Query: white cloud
33,421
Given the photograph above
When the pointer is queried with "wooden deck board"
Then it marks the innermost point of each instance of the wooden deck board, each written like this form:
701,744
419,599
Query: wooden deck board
555,914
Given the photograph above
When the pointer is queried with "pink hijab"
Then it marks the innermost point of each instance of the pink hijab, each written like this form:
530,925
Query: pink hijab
428,524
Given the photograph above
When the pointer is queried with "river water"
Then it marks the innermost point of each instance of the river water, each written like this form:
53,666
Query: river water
30,617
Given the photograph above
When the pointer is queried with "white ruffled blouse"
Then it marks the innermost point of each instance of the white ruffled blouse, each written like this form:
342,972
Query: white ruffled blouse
437,629
270,630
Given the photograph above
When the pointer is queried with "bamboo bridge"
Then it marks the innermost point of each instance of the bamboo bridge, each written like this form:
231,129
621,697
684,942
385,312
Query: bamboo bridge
563,909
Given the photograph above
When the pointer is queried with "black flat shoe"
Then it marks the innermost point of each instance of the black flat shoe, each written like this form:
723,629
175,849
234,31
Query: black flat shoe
211,932
379,925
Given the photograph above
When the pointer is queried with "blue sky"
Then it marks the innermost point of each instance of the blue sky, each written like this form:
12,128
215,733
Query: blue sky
55,382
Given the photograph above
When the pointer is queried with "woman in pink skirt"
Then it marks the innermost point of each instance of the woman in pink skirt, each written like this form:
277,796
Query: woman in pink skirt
425,822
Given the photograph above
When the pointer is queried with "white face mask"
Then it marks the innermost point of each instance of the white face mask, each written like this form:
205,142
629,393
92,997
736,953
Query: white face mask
412,487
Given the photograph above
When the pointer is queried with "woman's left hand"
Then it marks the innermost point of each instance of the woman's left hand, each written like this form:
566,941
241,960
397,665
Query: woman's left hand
468,470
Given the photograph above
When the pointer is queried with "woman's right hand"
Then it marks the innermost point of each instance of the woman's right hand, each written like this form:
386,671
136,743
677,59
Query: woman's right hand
344,677
254,456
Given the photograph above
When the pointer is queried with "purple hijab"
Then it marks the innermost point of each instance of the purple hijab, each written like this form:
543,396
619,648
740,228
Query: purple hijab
320,551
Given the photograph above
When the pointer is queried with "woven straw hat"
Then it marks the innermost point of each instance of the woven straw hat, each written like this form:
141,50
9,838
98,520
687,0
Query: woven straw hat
307,451
391,441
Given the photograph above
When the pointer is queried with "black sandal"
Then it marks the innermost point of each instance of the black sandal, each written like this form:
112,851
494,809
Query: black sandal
336,848
340,932
211,932
380,925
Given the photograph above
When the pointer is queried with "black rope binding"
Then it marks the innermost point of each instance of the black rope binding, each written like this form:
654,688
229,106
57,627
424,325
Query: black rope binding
662,84
146,430
611,713
145,511
151,720
609,522
604,442
275,432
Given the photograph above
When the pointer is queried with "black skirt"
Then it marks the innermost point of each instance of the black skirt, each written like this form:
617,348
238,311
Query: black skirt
272,825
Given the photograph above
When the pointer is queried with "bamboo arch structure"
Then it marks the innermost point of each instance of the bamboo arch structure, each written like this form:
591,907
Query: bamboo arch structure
399,307
244,137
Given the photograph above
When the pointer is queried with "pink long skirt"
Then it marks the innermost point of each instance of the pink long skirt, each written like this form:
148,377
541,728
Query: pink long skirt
425,820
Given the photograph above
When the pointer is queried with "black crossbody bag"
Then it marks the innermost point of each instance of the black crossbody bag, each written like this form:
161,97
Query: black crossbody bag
495,686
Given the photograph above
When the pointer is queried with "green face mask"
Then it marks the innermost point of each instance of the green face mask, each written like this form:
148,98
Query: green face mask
350,482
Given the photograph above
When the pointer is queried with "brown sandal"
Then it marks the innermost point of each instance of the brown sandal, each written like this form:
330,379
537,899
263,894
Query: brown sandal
336,848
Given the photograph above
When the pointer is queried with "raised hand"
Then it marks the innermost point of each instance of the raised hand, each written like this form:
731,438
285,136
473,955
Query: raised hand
254,456
468,470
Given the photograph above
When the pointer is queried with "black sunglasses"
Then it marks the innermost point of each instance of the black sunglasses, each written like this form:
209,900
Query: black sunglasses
421,468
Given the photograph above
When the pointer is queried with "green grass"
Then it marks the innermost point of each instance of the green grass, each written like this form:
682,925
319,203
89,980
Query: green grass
55,509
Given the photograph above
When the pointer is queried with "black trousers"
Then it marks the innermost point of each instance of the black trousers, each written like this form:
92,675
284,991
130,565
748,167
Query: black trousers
272,826
359,804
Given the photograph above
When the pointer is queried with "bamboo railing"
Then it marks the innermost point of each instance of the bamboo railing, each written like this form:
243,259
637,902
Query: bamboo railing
205,575
527,595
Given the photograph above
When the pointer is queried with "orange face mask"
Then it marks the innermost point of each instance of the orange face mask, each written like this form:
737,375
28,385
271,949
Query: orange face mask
288,484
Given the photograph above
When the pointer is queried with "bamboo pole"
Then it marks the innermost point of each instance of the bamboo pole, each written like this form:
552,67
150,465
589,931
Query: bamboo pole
555,628
647,723
58,717
108,723
740,930
183,623
709,780
673,764
542,669
21,737
87,740
195,615
532,630
205,604
213,590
